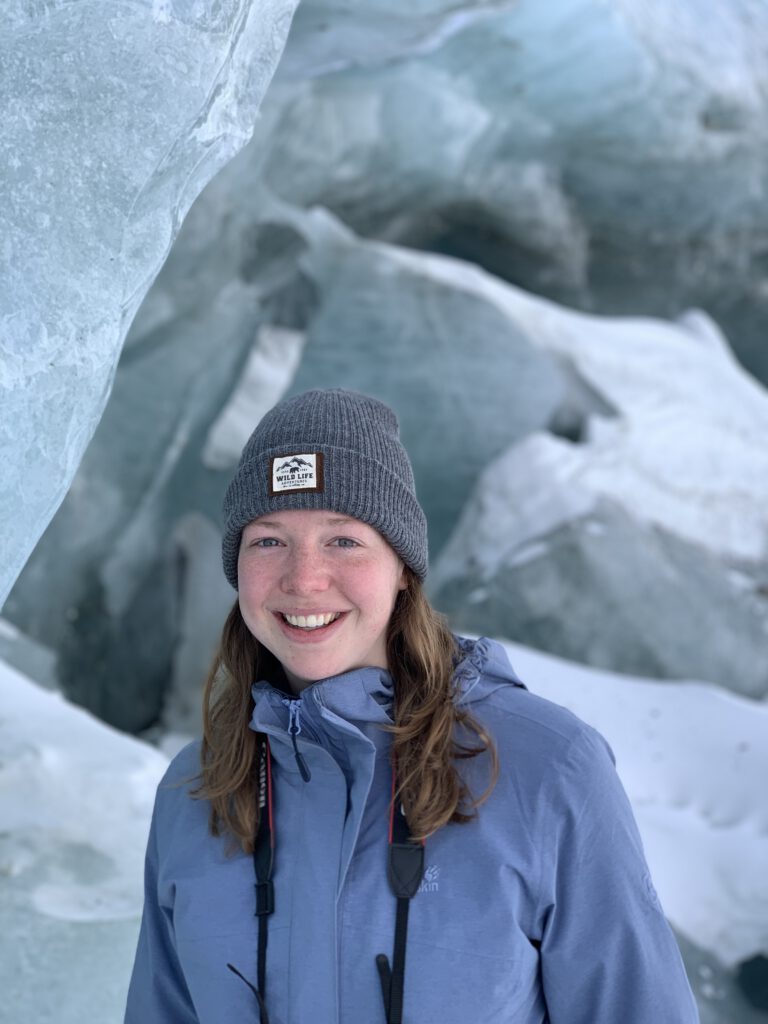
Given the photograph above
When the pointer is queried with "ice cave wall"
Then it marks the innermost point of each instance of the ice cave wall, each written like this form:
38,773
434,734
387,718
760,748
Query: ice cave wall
454,130
603,177
608,155
618,464
115,117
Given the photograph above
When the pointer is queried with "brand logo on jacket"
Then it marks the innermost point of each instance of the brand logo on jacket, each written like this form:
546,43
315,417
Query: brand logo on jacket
429,882
296,473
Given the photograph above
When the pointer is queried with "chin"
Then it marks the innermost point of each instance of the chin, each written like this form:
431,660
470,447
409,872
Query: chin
317,671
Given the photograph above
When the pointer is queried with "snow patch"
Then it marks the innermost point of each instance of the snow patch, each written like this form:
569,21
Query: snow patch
694,760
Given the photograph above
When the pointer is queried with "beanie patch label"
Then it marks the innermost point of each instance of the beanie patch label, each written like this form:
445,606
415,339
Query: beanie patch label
296,473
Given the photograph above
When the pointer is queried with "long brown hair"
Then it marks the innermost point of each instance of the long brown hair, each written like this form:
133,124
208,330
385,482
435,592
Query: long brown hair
421,654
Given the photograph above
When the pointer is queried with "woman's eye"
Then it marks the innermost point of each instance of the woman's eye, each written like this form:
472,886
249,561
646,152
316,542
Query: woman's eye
345,542
264,542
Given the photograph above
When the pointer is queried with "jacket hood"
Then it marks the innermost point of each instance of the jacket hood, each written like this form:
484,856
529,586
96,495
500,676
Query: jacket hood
482,668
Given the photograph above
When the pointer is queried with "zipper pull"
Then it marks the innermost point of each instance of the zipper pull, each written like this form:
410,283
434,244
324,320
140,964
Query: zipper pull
294,728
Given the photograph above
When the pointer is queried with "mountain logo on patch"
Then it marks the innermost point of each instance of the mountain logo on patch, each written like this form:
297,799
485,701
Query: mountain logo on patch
296,473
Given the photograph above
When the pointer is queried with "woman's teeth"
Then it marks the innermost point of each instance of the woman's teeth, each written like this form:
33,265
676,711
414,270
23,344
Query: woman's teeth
311,621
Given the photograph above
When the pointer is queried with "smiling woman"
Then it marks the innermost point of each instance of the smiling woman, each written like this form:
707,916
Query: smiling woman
428,840
318,591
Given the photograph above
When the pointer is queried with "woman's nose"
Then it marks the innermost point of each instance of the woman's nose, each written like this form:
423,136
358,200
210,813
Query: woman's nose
304,572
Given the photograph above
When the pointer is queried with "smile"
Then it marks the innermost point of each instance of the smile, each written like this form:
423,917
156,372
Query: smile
311,621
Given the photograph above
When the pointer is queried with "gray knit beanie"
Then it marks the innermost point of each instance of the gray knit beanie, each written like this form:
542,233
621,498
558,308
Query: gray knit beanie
336,450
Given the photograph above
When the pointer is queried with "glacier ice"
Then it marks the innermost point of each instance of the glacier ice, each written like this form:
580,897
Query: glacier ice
605,589
204,597
661,429
103,585
608,155
522,146
113,618
429,344
641,548
271,366
114,121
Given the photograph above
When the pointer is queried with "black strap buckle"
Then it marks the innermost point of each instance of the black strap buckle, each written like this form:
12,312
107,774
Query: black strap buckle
265,898
406,868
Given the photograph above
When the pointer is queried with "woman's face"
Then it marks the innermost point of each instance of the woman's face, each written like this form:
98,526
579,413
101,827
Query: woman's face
317,589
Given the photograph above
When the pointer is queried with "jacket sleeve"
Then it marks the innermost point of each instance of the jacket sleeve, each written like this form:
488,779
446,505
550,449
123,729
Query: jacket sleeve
157,993
607,952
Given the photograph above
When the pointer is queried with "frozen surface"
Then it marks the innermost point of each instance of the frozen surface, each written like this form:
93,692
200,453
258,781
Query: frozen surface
205,598
207,354
75,801
271,366
645,512
114,121
606,154
693,760
683,439
431,346
623,175
639,545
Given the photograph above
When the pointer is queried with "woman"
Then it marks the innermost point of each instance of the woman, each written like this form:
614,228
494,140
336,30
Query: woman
505,882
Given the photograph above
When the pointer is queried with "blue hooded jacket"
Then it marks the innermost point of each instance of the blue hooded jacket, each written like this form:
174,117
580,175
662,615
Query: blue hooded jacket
553,857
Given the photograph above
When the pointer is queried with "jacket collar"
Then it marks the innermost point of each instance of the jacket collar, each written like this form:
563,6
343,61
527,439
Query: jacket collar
366,695
361,696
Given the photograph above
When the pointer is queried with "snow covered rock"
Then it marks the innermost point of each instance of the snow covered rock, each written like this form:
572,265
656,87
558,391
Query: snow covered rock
112,126
640,545
75,802
599,586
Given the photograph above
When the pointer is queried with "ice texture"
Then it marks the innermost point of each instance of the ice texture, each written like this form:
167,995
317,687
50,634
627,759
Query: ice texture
114,120
640,544
103,585
431,346
610,155
75,801
652,425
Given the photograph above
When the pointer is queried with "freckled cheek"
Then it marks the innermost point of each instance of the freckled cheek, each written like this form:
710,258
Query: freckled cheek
253,586
381,600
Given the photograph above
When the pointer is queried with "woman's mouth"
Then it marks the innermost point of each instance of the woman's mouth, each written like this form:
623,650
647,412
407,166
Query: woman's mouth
310,622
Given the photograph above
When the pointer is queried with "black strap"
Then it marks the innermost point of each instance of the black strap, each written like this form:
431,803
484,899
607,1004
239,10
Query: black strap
405,870
263,862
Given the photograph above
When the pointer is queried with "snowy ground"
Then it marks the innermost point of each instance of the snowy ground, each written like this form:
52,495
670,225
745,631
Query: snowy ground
75,800
694,760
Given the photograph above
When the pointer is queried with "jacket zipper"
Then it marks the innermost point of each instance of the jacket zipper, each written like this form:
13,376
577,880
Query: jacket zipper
294,728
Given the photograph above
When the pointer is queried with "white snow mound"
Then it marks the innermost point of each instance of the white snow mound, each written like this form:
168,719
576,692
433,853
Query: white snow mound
694,760
75,802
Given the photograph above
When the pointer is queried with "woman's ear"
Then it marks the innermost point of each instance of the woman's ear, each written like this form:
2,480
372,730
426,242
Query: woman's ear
403,581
